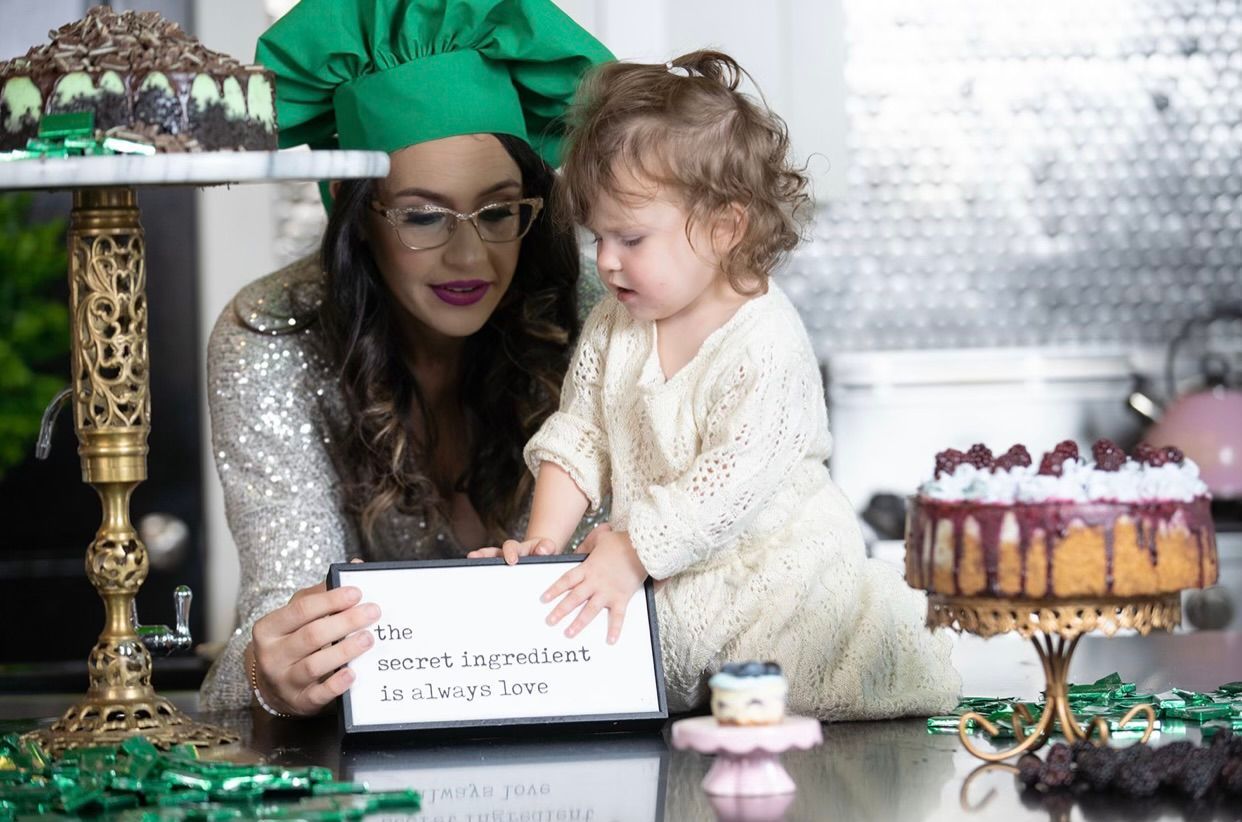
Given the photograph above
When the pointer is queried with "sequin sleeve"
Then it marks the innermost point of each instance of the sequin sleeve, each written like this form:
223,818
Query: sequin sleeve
281,490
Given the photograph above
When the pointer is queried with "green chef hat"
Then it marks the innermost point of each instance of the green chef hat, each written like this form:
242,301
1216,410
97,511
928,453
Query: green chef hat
386,74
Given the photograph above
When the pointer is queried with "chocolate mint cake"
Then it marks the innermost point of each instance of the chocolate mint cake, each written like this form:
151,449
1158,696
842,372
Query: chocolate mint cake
143,78
1114,525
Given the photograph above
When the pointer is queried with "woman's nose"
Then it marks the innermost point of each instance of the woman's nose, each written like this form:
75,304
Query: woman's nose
465,247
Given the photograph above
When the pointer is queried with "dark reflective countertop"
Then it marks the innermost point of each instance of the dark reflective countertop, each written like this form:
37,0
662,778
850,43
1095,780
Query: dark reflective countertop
886,770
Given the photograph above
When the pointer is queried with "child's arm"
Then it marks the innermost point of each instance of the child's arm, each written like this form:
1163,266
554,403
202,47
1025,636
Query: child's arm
557,508
569,454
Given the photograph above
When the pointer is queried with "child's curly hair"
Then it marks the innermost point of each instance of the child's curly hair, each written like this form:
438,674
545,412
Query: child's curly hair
684,124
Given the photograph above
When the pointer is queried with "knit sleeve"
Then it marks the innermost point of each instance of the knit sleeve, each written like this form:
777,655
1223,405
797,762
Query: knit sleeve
766,412
573,437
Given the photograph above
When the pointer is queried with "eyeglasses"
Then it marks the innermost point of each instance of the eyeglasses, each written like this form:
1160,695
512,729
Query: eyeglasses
428,226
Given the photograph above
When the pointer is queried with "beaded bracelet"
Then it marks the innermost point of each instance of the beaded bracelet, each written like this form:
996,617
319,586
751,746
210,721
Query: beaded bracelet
258,697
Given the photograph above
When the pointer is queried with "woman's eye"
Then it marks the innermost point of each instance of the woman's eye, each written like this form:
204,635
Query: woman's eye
423,218
498,214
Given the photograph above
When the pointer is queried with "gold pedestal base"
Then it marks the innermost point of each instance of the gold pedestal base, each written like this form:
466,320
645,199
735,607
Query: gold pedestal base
1054,628
112,411
94,722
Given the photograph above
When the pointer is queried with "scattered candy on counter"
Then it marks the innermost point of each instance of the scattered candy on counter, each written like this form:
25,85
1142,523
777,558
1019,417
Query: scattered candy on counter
136,781
74,135
1111,698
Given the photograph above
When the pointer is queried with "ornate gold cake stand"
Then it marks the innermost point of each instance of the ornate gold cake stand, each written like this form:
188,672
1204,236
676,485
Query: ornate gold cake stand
1054,628
112,405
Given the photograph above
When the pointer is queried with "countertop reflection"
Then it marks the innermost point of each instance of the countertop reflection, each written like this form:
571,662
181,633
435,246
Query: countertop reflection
889,770
884,770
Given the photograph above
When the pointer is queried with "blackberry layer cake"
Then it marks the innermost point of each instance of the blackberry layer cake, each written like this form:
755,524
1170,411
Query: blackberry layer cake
1114,525
142,78
749,693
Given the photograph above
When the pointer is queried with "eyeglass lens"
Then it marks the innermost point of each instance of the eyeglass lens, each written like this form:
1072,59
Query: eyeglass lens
497,223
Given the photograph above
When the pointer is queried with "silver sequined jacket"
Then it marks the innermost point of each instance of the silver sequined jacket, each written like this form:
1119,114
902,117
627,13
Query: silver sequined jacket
277,425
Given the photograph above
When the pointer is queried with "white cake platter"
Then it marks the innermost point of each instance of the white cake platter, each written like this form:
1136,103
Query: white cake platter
196,169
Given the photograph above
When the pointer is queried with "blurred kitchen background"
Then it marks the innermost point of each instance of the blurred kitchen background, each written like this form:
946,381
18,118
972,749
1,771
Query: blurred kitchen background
1021,208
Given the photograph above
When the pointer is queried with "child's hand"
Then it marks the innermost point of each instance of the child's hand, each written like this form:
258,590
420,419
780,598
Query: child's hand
588,542
607,578
512,549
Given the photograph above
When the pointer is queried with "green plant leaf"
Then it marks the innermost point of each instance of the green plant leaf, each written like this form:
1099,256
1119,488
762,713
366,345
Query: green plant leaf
34,324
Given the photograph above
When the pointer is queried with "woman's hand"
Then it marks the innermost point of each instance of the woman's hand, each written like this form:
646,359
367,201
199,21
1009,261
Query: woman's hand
607,578
299,649
512,549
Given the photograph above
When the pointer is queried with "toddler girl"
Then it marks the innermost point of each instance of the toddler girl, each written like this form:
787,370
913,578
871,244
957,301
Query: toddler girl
694,400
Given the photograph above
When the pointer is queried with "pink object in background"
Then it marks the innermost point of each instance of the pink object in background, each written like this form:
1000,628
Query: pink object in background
747,762
1207,426
1206,423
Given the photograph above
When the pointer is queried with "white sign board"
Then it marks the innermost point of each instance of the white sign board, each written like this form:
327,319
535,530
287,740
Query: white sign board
465,644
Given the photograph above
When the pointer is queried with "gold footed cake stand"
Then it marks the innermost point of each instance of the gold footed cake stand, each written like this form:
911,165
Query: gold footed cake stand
112,405
1054,628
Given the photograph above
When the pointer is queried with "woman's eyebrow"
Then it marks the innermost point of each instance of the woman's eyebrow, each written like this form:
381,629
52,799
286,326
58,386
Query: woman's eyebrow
436,196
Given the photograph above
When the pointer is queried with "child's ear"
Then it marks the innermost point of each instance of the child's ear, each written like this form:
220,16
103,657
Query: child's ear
730,227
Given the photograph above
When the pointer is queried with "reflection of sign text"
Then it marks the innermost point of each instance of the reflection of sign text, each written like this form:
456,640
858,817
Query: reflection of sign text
510,789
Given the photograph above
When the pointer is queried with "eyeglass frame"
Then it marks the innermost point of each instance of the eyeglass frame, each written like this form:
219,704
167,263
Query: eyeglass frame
390,216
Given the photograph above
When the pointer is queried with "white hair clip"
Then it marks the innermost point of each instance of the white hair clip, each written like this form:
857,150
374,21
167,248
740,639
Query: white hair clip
680,71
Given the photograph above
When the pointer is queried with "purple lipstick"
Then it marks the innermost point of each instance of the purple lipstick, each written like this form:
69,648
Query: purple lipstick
461,292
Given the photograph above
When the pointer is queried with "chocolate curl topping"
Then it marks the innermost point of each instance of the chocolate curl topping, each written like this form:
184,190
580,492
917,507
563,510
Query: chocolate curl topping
129,41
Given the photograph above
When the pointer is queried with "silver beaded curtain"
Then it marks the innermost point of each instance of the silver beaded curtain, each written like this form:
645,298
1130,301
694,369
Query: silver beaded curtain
1051,173
1064,172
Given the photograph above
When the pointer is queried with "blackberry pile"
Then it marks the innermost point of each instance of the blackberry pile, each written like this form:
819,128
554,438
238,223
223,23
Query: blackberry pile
1195,771
1107,454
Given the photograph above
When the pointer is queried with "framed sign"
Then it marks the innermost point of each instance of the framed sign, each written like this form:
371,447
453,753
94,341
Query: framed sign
463,646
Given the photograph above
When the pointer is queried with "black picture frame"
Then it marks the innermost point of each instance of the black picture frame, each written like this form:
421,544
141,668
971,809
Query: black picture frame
511,726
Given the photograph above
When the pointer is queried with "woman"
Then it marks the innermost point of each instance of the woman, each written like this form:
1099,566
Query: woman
373,402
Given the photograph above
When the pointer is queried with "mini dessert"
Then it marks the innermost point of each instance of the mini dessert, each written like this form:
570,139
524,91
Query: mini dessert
1114,525
749,693
142,78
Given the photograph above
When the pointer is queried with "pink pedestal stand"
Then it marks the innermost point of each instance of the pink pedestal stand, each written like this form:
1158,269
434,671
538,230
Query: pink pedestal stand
751,808
747,763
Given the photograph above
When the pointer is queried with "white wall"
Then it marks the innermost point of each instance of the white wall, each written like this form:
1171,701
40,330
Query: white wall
794,50
236,230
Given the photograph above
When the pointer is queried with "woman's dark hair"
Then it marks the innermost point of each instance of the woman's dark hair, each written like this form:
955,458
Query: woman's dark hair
511,368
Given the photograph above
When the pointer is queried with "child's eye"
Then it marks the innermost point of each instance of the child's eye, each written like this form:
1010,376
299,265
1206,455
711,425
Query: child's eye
595,238
630,242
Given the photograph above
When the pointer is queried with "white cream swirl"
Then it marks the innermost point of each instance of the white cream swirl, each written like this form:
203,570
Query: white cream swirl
1080,481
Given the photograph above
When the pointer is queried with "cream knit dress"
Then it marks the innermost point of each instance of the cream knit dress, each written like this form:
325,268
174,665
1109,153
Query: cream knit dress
718,475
